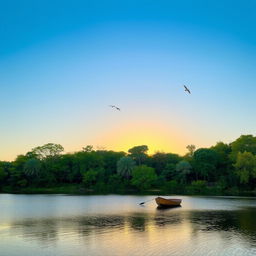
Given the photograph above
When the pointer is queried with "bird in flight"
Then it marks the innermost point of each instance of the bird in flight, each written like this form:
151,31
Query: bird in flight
186,89
113,106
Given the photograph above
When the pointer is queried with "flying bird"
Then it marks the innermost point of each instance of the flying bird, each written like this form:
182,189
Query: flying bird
113,106
186,89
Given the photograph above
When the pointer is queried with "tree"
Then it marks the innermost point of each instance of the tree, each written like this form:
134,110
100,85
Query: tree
224,167
90,177
125,166
143,177
139,153
3,174
47,150
17,177
191,149
205,162
5,168
227,166
223,150
172,186
88,148
160,160
183,169
169,172
245,166
115,183
243,143
110,159
84,161
198,186
32,167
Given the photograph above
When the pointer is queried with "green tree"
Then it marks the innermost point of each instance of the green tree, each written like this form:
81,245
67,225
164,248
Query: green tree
159,161
143,177
115,183
169,172
245,166
84,161
197,187
243,143
90,178
5,168
139,153
47,150
191,149
172,186
125,166
17,176
88,148
224,169
3,174
110,159
32,167
205,162
63,169
183,169
223,150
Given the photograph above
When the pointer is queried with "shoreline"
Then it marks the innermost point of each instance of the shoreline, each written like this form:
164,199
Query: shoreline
75,190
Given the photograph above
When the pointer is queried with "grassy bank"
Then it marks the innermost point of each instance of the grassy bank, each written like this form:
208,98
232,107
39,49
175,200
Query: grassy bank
79,190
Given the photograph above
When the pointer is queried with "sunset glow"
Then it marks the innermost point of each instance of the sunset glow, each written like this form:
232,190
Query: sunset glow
61,71
156,137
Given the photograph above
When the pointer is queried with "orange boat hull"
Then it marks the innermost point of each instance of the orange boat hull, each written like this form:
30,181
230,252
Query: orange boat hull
167,202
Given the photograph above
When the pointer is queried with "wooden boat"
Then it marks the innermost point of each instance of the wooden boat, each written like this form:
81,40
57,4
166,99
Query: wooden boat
163,202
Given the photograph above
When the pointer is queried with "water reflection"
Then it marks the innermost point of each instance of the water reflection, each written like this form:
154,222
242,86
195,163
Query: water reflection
152,231
138,222
166,208
242,222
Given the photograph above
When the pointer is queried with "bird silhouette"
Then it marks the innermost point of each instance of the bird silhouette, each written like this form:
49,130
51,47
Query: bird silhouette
186,89
113,106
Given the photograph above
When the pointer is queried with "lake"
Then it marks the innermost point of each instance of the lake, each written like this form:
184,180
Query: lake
116,225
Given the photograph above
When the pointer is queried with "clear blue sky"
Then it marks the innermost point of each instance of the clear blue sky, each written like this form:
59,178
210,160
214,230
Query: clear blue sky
63,62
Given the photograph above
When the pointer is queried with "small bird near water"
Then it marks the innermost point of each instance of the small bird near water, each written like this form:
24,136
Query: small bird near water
186,89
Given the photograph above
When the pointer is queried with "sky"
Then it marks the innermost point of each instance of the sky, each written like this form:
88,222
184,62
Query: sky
62,63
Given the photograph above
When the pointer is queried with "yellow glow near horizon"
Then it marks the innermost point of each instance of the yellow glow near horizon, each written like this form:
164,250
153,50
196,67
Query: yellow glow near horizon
157,137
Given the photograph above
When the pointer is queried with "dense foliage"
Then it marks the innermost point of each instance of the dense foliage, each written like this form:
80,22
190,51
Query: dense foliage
220,169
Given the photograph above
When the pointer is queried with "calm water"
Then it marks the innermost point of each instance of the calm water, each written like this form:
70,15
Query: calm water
117,225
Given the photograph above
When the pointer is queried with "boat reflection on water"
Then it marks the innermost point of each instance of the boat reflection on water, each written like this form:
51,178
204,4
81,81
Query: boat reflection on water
164,208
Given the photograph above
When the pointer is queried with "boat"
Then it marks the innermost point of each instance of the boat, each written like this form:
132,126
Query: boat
163,202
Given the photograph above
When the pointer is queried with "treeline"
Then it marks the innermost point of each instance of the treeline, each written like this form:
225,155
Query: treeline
221,169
